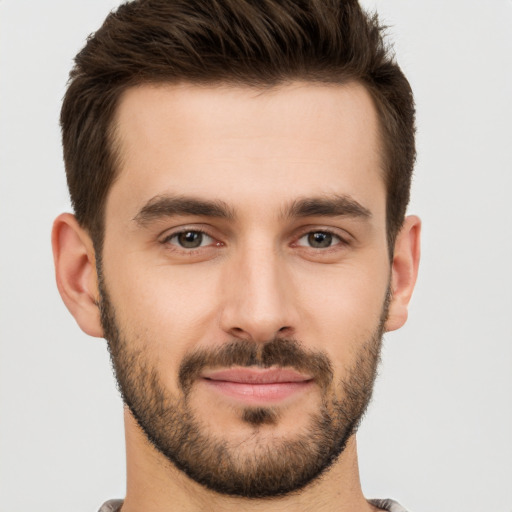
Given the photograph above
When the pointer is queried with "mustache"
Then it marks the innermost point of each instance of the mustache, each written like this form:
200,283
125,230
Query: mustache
281,352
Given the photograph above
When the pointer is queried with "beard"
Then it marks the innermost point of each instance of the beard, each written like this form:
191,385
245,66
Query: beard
275,466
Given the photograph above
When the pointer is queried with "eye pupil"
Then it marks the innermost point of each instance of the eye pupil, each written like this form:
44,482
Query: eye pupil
320,239
190,239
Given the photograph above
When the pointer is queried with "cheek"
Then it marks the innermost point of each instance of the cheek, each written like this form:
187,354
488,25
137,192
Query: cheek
342,308
165,311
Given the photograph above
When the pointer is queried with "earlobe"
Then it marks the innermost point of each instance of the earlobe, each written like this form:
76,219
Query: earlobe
75,271
404,271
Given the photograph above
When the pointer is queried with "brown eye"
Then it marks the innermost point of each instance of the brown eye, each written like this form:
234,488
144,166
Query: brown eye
319,240
190,239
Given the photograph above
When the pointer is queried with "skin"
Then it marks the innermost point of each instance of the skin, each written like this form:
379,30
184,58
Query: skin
256,276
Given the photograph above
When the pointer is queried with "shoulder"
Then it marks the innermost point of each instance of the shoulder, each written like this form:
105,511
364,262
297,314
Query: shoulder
388,505
111,506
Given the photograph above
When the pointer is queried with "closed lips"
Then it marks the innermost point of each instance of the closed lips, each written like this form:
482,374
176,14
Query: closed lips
256,376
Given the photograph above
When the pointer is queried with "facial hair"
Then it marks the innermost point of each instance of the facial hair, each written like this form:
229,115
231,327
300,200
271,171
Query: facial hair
278,466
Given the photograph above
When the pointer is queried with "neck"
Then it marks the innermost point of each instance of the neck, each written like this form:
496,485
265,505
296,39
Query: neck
155,484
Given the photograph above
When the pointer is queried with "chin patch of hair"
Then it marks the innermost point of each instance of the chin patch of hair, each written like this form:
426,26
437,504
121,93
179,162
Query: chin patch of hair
260,416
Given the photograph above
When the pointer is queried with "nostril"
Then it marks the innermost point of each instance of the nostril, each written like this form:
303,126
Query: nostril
239,333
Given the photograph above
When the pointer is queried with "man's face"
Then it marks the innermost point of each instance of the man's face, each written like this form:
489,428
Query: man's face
245,276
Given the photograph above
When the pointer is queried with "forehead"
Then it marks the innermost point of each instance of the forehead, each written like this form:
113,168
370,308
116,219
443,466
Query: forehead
244,144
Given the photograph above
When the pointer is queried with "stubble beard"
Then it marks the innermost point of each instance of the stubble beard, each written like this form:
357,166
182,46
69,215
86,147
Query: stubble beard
273,467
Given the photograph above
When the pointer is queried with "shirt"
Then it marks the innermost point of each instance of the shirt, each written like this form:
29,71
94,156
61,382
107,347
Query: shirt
387,505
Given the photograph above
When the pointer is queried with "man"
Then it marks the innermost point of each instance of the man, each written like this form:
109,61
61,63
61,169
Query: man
240,172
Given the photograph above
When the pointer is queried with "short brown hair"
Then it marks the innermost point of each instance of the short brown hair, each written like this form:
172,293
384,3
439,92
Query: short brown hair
242,42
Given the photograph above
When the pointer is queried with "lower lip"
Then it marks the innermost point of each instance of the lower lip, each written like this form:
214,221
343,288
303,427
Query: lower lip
258,393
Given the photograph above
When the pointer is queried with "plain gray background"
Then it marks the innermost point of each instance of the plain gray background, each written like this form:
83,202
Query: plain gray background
438,434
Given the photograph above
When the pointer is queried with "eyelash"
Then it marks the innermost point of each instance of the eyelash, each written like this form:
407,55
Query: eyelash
341,241
191,250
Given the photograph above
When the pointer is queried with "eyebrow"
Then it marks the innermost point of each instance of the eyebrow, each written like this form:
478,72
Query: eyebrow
336,206
167,206
163,206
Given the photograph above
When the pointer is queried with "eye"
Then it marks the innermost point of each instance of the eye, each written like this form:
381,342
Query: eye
190,239
319,240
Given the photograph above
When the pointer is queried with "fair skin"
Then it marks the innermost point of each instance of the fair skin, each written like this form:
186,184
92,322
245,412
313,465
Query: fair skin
255,274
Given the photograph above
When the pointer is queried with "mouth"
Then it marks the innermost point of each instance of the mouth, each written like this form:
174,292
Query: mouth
257,386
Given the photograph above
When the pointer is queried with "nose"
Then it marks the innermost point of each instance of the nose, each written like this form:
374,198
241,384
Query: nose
258,297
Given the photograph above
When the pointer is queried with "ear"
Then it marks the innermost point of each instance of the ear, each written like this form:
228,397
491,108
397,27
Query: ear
75,270
404,271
